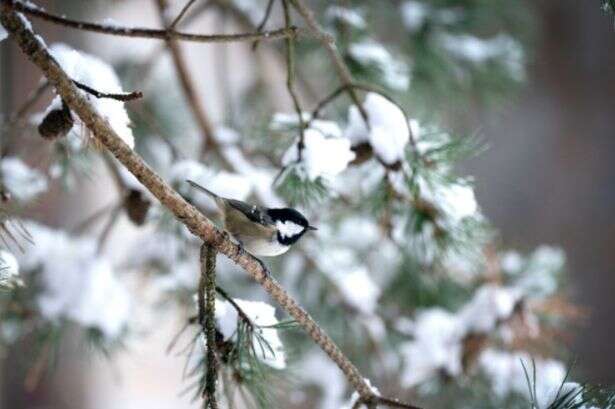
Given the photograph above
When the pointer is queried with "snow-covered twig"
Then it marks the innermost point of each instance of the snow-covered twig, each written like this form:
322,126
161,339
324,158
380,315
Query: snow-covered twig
151,33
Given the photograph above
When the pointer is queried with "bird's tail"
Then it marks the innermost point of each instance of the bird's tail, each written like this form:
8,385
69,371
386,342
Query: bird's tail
202,189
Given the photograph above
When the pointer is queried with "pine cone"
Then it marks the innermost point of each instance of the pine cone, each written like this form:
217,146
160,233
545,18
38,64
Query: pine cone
136,206
57,123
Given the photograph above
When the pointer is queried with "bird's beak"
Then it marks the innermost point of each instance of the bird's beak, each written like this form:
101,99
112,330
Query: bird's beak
311,228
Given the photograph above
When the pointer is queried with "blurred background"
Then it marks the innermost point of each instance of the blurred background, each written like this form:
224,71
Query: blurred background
550,163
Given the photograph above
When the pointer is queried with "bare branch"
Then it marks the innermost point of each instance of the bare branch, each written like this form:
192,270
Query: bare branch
290,81
128,96
182,13
328,43
150,33
192,98
263,22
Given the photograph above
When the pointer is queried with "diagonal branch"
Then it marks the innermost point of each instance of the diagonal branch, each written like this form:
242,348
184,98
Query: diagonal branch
188,86
328,43
194,220
151,33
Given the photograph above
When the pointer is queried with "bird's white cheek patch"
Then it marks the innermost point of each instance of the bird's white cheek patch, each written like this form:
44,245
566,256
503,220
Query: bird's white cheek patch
288,228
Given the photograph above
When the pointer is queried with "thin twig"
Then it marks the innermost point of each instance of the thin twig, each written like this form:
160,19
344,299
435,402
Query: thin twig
190,93
241,313
290,80
29,102
150,33
367,88
263,22
181,14
104,235
194,220
244,21
328,43
128,96
207,319
88,221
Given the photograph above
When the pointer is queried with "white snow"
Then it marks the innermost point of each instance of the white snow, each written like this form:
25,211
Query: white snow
96,73
357,288
351,17
456,201
506,374
282,121
479,51
318,369
388,134
414,14
288,228
23,182
321,156
439,334
262,315
77,284
489,305
436,346
9,269
3,33
395,72
511,262
541,273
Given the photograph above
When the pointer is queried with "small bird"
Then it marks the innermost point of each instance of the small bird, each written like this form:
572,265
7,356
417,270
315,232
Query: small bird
259,230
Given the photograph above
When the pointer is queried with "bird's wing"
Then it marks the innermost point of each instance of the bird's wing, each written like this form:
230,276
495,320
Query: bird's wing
254,213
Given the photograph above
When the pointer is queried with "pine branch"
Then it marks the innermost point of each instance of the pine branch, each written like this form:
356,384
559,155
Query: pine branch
194,220
207,319
151,33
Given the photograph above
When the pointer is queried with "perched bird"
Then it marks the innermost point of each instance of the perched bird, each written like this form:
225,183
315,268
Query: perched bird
259,230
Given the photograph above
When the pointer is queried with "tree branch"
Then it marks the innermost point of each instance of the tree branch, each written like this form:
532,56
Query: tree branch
207,319
192,98
328,43
261,26
127,96
150,33
181,14
290,81
194,220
